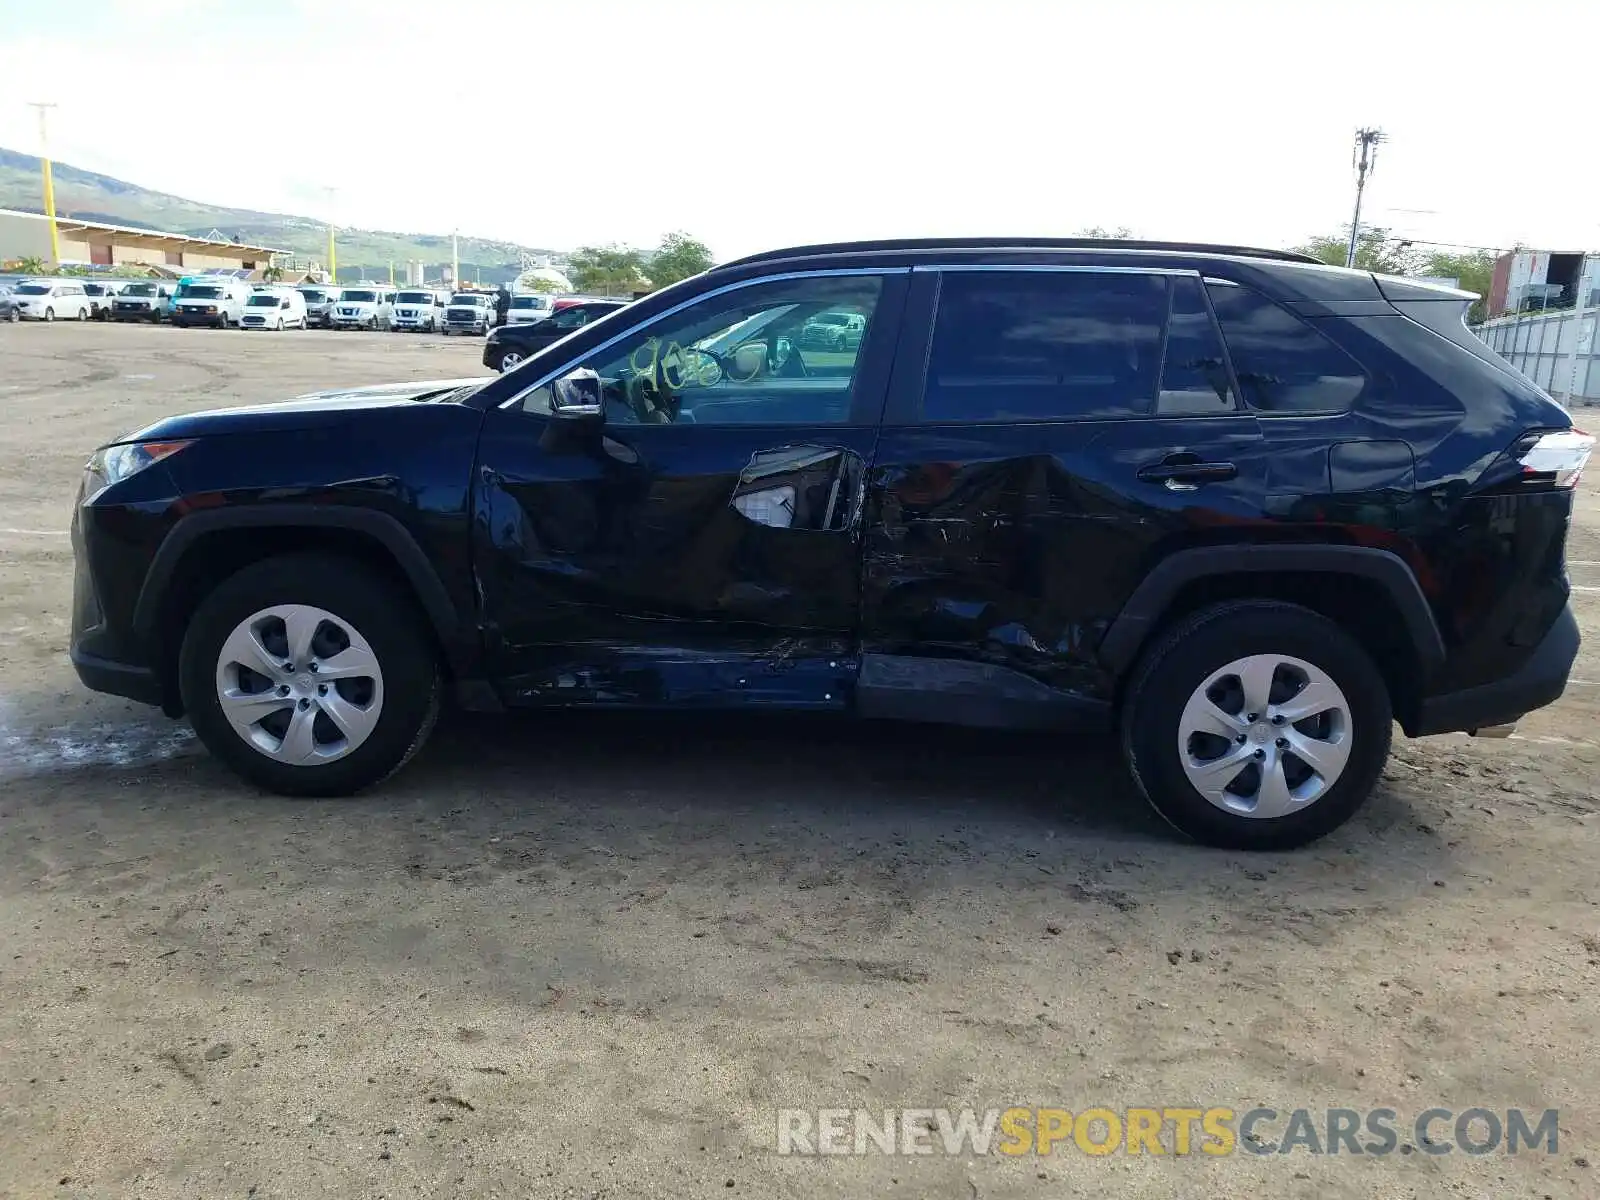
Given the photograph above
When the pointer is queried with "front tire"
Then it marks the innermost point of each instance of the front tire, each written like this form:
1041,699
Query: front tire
49,314
362,697
1256,725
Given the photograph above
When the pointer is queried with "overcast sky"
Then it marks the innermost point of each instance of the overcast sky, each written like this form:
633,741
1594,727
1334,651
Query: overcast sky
768,122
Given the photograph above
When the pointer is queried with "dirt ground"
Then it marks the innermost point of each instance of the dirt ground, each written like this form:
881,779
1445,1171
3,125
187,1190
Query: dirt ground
591,957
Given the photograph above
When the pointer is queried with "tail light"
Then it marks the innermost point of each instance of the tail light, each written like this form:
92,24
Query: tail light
1554,459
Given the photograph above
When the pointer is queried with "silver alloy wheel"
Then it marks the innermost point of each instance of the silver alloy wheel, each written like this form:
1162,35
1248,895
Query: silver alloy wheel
509,360
1265,736
300,684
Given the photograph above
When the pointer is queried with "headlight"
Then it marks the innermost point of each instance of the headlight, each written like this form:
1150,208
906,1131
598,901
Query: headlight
113,464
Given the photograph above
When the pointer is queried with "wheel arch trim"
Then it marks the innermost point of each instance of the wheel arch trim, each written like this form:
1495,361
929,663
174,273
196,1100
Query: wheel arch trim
382,528
1152,599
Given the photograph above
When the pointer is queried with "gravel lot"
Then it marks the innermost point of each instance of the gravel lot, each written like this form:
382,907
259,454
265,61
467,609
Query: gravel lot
585,956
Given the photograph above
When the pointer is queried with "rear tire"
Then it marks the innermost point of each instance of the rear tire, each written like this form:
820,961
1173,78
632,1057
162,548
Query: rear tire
357,603
1289,646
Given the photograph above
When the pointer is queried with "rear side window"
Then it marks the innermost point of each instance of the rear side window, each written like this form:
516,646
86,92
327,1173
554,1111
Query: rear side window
1044,346
1073,345
1283,364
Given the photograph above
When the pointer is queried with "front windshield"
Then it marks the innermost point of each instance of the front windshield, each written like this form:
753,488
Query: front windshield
33,289
203,293
527,302
361,297
95,289
830,319
413,298
474,300
314,297
260,300
139,289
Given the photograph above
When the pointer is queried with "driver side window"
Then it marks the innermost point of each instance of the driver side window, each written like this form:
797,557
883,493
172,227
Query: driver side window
779,353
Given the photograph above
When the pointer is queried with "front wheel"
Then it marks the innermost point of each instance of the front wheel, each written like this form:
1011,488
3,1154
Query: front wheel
1256,725
49,314
279,326
510,360
304,675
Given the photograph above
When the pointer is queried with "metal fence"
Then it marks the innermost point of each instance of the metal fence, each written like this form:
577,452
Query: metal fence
1556,350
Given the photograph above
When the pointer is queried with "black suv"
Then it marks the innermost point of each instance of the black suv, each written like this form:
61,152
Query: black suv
510,345
1244,508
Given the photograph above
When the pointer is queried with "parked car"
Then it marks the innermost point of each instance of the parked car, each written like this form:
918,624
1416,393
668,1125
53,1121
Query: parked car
319,302
1239,507
363,308
834,331
143,301
470,312
528,308
274,308
10,310
509,345
215,300
52,300
102,295
418,308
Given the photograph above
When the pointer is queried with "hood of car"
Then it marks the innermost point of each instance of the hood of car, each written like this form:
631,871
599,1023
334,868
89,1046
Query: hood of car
311,411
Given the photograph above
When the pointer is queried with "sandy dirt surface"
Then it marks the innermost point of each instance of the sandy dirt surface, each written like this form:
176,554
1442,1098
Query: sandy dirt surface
592,957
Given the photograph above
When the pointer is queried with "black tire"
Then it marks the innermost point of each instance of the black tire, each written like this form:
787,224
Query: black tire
399,638
1181,660
49,313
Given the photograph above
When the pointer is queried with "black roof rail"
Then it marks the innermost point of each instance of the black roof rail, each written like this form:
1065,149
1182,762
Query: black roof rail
1018,243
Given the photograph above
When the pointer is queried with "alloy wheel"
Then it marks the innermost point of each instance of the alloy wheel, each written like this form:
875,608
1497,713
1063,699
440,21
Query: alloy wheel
509,360
1265,736
300,684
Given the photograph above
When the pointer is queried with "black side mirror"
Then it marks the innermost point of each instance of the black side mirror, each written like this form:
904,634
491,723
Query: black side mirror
578,396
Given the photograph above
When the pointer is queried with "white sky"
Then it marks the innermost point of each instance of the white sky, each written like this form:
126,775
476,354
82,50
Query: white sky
760,123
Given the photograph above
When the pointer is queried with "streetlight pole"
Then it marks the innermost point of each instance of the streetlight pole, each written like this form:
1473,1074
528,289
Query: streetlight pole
1365,157
455,258
49,180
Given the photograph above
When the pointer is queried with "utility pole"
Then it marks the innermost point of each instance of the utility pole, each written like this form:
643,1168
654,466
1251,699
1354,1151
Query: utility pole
333,253
1364,157
49,180
455,258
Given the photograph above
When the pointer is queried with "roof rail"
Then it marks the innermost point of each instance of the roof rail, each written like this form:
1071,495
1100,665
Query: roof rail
1018,243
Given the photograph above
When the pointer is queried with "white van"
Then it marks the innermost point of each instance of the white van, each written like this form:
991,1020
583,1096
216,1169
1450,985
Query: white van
418,308
216,300
319,299
365,306
528,308
274,308
51,300
102,295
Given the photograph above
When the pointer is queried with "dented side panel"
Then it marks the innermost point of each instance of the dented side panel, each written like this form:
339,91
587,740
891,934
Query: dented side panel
1017,546
617,567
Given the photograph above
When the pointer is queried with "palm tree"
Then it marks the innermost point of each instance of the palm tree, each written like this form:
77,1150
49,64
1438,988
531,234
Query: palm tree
31,265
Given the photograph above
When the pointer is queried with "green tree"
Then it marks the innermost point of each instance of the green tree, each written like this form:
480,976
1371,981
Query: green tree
1472,271
678,257
538,284
31,265
608,270
1377,249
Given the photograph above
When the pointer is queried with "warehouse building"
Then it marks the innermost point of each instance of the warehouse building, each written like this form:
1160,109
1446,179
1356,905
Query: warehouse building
27,235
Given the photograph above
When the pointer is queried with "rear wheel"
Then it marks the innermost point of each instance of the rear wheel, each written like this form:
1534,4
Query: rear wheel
305,676
1256,725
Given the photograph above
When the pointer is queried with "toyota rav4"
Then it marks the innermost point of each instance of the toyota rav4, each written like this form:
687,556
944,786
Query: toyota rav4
1245,509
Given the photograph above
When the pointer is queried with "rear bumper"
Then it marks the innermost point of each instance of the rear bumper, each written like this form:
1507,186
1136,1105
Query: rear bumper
1538,682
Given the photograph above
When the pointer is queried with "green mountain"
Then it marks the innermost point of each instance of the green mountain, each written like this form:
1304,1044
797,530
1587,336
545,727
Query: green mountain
94,197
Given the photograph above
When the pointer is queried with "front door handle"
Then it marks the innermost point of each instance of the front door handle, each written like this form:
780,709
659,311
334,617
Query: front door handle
1184,473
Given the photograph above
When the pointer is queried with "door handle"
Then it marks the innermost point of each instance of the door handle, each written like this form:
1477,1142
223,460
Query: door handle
1185,473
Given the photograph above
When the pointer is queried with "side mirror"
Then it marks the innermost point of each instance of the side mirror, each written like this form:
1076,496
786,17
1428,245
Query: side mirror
577,396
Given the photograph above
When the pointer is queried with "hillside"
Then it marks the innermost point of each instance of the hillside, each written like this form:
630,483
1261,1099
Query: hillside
94,197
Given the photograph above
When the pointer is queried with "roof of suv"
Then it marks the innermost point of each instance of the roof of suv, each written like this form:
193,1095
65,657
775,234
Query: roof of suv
1018,243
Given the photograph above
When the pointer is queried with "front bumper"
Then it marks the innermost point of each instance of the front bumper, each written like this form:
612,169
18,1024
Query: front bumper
1538,682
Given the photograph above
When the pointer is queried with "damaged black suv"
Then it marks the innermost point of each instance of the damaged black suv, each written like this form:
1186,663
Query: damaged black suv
1246,509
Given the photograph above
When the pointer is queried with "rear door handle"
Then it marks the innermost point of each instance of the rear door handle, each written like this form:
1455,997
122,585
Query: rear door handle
1184,475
